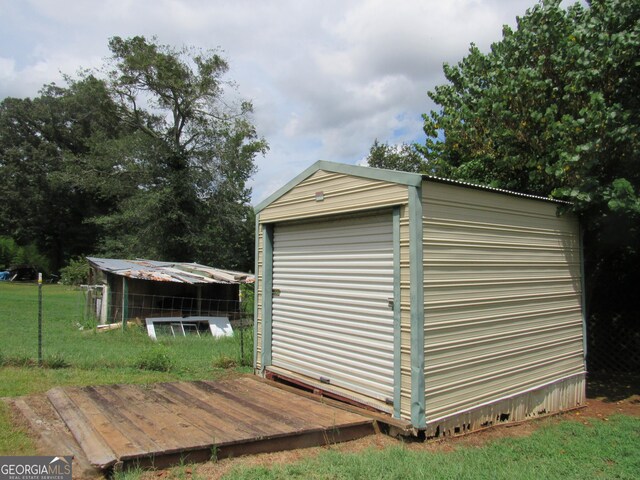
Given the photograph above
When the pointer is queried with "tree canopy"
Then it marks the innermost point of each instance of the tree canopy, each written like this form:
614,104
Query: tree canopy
554,109
406,157
150,159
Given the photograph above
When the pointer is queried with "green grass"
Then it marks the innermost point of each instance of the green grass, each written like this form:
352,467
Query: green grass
13,440
564,450
558,450
74,353
77,354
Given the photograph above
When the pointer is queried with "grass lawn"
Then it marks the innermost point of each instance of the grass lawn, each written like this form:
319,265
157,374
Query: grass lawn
74,353
69,340
557,450
563,449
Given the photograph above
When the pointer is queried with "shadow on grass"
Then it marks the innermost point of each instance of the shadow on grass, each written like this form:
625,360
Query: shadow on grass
612,386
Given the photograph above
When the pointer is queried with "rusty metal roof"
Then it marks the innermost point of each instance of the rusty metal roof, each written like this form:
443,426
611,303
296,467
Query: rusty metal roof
179,272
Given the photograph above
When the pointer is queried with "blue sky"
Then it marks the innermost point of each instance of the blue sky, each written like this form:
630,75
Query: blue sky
326,77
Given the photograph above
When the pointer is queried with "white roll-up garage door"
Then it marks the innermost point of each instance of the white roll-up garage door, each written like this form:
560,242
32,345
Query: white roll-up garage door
331,317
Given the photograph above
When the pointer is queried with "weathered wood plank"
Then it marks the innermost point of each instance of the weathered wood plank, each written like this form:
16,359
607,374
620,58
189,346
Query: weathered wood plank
94,446
219,415
168,432
137,417
105,425
253,425
219,429
272,399
264,403
149,425
403,425
55,438
259,406
303,404
138,442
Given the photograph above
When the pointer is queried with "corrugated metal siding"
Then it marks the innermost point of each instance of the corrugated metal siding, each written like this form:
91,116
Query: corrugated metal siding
502,297
557,396
342,194
258,298
332,318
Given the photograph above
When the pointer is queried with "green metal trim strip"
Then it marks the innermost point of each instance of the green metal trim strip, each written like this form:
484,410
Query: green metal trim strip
267,293
416,279
391,176
256,289
397,333
584,296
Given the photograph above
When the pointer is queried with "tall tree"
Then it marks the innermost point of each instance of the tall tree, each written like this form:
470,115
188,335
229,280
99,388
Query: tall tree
150,161
39,138
554,109
405,157
192,151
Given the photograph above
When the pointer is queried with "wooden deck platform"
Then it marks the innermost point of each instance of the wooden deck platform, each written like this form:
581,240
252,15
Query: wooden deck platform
114,426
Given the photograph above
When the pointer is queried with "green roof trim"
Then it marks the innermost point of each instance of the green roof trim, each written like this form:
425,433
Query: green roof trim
391,176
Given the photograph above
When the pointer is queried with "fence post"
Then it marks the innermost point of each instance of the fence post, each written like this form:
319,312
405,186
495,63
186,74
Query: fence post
125,302
40,319
242,340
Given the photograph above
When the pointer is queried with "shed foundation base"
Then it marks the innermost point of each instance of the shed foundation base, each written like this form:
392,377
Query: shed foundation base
556,397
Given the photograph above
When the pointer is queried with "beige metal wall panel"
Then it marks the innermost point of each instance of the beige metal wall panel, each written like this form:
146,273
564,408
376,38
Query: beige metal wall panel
405,317
331,317
502,297
341,194
258,299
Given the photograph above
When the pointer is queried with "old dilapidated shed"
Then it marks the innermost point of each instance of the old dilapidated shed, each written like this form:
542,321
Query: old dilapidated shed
449,305
147,288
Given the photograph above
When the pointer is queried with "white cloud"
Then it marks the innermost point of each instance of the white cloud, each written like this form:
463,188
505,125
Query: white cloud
326,78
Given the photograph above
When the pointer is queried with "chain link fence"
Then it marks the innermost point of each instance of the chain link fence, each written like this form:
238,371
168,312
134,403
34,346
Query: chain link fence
71,314
613,343
84,328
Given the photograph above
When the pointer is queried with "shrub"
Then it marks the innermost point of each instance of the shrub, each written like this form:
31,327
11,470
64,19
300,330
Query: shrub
76,272
156,359
55,362
224,362
18,361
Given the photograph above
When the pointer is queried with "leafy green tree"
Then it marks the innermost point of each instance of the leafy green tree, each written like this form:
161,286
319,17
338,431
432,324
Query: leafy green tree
12,254
554,109
76,272
39,139
191,151
151,161
405,157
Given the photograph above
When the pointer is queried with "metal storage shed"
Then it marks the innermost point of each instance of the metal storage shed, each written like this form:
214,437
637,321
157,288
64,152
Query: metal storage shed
449,305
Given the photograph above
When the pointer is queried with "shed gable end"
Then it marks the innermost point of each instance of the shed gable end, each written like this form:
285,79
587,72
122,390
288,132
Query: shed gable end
332,193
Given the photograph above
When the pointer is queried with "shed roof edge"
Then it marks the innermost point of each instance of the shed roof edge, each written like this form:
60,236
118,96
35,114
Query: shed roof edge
476,186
